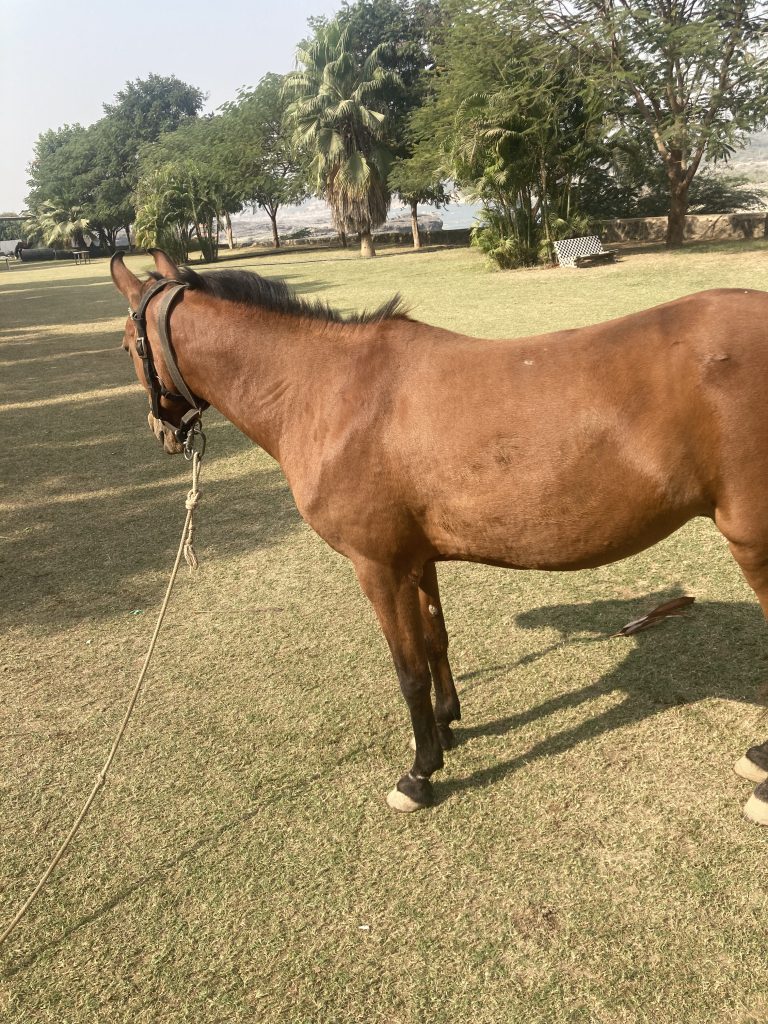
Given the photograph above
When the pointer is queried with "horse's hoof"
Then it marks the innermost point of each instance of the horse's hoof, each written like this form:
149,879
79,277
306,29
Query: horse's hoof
411,793
402,802
747,769
756,808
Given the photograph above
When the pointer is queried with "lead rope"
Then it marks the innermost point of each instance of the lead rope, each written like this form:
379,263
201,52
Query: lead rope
185,549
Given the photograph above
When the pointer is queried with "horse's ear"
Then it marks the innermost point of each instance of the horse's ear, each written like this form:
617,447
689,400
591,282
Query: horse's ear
126,283
165,264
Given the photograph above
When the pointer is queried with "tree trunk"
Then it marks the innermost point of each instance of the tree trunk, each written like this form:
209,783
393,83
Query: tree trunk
366,244
343,239
415,225
275,236
678,206
678,200
127,229
228,229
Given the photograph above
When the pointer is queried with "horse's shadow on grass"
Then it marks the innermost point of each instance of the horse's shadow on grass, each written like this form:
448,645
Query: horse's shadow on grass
719,651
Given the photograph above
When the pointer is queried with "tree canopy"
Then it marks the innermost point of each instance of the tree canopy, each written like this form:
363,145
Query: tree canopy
550,114
690,74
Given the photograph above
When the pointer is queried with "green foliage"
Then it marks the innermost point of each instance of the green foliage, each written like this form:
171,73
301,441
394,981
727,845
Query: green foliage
691,76
11,229
57,223
419,179
517,124
262,159
339,119
406,30
96,168
525,242
176,202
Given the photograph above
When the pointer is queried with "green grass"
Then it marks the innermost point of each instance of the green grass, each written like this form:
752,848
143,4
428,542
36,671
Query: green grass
586,861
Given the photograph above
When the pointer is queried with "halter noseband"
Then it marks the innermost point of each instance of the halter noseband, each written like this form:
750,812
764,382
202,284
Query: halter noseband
190,421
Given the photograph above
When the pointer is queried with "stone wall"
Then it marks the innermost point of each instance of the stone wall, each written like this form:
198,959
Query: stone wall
699,227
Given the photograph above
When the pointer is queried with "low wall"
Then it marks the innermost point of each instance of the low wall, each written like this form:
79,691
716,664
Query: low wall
35,255
452,236
698,227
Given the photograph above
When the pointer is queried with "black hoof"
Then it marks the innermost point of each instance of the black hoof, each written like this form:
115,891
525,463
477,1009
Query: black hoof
419,790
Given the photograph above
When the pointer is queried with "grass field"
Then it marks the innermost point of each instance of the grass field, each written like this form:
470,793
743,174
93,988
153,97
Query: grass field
586,861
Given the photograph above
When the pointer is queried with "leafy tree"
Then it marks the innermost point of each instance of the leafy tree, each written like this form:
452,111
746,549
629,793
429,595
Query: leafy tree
174,204
148,108
54,168
407,31
518,124
11,228
691,74
143,111
96,168
162,213
200,143
261,156
419,179
339,119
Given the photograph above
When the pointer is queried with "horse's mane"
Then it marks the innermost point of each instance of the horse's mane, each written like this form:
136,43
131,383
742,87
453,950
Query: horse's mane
274,294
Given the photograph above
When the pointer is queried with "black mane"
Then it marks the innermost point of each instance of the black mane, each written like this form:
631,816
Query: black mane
274,294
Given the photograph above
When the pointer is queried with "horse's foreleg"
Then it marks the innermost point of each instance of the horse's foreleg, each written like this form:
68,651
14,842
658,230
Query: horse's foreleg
753,766
394,596
447,707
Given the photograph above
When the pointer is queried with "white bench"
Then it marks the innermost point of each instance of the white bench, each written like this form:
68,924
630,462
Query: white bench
583,252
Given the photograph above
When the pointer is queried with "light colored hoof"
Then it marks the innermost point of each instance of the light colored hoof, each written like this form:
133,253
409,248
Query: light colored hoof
401,802
756,810
748,770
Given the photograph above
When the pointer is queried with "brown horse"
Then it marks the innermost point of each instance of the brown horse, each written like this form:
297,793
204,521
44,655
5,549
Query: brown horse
405,444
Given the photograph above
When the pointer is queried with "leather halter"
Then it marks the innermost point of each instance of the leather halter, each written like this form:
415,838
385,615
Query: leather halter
191,418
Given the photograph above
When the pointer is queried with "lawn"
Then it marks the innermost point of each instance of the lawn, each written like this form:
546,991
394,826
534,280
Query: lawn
586,860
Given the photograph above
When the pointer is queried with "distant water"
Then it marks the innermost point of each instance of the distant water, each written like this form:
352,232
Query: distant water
315,214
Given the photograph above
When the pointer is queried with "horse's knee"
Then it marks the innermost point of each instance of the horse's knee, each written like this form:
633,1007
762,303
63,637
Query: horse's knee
414,686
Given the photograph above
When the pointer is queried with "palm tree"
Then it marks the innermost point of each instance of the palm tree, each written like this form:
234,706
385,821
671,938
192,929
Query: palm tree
59,222
338,117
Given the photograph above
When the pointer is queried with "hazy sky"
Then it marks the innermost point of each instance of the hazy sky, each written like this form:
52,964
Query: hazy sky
61,59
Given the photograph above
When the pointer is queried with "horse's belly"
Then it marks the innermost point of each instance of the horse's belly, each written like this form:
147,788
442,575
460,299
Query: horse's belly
579,518
557,545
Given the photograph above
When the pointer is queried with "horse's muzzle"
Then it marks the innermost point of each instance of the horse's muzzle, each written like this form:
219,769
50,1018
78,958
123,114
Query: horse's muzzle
164,435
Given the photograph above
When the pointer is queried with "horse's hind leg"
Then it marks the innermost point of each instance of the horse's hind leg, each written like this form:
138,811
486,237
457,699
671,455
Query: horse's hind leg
447,707
753,766
394,596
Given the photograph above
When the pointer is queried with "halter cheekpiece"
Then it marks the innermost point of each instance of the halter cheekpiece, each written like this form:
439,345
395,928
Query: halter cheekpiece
188,432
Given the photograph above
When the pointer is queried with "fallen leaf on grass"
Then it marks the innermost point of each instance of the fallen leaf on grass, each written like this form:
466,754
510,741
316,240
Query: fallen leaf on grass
656,616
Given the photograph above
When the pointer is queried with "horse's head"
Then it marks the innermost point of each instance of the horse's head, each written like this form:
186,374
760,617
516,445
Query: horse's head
169,411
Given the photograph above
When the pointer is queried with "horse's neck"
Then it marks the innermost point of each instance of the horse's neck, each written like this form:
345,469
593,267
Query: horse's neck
249,364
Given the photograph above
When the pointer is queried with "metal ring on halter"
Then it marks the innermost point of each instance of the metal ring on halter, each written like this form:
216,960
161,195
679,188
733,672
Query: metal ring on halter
194,442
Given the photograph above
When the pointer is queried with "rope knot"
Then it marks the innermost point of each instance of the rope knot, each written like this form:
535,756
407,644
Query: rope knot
193,500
